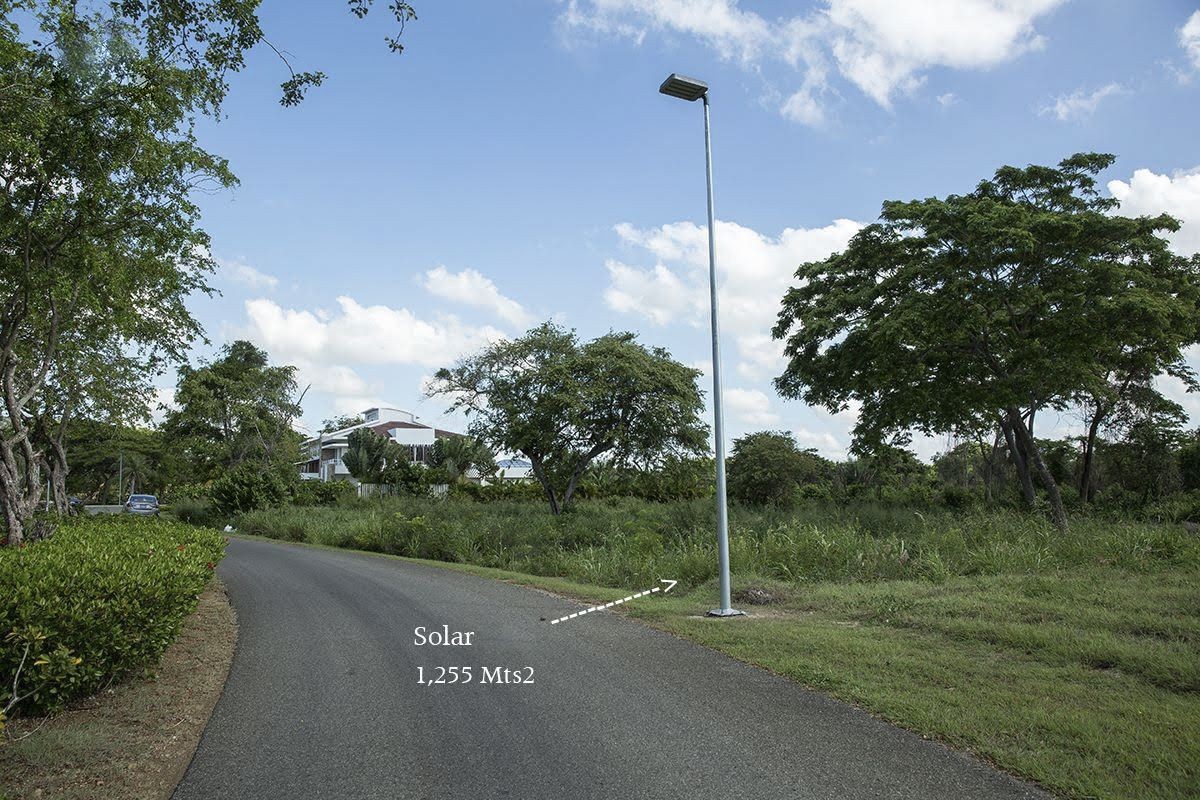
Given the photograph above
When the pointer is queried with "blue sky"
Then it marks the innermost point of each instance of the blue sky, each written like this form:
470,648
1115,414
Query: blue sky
516,163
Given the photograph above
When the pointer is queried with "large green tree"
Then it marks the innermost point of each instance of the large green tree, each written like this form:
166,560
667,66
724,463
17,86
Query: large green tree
563,404
234,410
993,304
767,468
98,165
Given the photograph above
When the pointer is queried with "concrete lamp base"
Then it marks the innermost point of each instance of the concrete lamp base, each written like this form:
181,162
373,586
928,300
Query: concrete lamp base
725,612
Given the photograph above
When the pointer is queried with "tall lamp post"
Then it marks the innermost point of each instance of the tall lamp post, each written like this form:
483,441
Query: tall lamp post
690,89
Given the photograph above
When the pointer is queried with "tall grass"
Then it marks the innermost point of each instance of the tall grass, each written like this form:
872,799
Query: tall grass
623,542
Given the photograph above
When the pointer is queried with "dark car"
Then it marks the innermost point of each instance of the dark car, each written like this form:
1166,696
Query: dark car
75,505
145,505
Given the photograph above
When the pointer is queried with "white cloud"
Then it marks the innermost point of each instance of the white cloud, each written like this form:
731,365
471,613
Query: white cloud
823,442
245,275
472,288
751,407
1081,103
657,294
1189,39
733,33
753,272
324,345
1149,194
881,46
946,100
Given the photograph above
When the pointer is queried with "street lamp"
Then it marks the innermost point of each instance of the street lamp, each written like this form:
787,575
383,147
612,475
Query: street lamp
690,89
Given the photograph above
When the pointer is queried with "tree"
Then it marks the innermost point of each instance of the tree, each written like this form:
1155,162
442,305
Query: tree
454,455
98,166
235,409
991,305
102,454
767,468
1189,461
368,455
563,404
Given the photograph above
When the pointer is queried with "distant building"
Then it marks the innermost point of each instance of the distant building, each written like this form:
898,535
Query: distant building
325,451
514,469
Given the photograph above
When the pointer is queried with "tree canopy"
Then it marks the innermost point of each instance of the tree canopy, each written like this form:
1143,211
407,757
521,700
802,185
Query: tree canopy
235,409
767,468
988,307
563,404
100,241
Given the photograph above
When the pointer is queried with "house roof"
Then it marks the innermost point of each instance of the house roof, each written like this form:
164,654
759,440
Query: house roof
381,426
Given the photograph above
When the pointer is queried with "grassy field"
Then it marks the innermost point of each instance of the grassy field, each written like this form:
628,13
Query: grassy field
1071,660
622,542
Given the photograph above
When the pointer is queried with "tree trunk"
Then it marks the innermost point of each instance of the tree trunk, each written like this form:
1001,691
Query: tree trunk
1087,489
1019,461
1058,514
540,473
580,468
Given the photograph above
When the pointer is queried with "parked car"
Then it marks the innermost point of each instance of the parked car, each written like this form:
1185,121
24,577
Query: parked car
145,505
75,505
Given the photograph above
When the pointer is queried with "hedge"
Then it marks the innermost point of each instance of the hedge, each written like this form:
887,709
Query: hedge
100,599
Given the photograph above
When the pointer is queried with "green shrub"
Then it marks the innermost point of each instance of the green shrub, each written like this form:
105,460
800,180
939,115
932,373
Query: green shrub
100,599
198,511
246,488
626,542
320,493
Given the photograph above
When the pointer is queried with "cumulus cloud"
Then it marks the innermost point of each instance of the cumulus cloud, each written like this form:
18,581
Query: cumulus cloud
1081,103
325,345
753,271
751,407
1148,194
472,288
880,46
823,442
243,274
1189,39
657,294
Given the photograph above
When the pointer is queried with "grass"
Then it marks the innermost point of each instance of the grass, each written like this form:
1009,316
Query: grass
623,542
1071,660
133,740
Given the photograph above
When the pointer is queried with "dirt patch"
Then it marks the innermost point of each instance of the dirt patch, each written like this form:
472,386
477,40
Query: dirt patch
134,740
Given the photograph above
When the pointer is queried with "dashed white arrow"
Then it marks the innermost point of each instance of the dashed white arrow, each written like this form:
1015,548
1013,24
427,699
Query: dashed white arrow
669,586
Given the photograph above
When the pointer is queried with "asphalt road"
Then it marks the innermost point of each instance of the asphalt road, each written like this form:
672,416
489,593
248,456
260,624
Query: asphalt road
323,702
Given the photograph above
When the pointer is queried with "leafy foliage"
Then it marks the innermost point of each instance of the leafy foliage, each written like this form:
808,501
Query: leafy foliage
989,306
563,404
237,409
320,493
249,487
369,454
100,241
625,542
100,599
767,468
453,456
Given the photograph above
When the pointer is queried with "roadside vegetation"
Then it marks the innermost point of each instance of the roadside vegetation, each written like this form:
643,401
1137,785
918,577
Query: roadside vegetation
99,601
626,542
135,738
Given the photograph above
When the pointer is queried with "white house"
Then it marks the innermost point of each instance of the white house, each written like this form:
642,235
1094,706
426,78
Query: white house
325,451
